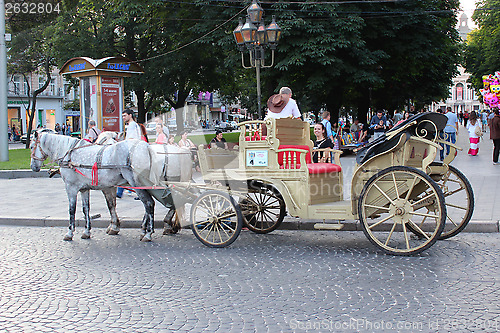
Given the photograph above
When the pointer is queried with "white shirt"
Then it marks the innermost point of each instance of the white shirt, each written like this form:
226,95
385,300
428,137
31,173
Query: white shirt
133,131
290,110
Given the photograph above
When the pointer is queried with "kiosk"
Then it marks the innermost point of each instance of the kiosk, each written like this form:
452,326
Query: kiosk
101,89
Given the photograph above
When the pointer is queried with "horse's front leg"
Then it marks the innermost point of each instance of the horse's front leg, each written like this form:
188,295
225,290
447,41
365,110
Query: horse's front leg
72,196
114,226
86,213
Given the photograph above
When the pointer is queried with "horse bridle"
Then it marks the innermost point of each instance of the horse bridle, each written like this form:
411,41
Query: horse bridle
37,145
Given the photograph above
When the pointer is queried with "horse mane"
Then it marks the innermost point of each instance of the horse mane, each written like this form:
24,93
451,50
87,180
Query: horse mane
56,145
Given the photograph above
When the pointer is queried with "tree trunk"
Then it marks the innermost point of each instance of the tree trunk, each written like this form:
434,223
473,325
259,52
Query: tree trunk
363,106
31,113
141,112
333,104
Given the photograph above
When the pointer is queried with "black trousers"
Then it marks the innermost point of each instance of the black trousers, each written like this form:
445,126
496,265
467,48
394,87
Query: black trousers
496,149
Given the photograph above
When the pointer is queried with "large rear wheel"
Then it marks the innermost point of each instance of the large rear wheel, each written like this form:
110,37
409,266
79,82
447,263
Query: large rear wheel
397,200
263,209
459,199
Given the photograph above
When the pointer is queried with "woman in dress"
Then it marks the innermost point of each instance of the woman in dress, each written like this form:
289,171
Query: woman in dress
474,129
322,141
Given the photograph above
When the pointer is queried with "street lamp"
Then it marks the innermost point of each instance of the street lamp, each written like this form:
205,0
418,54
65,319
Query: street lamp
253,37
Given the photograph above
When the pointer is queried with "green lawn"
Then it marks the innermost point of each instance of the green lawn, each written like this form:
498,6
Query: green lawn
18,159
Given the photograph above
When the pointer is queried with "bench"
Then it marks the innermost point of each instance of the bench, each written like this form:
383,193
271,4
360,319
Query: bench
289,158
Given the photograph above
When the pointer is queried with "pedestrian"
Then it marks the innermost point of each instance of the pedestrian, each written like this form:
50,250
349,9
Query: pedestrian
397,117
355,129
161,138
328,125
218,141
461,117
57,128
378,124
158,120
450,131
475,133
9,133
93,132
282,105
495,134
133,131
466,118
322,141
484,118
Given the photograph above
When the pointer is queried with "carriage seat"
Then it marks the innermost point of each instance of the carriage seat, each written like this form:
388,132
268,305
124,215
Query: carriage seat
314,168
379,146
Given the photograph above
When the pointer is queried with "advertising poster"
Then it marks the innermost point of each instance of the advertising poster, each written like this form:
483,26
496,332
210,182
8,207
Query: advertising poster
110,95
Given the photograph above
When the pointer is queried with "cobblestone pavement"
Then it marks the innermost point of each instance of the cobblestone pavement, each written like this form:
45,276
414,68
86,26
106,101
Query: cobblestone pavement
284,281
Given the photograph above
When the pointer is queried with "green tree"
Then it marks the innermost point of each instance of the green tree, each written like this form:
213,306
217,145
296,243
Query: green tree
482,55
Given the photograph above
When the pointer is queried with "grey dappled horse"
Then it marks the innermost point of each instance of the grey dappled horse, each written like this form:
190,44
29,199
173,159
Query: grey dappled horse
85,167
175,165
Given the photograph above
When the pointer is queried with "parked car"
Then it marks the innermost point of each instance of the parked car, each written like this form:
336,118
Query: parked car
25,136
234,125
223,126
151,128
172,125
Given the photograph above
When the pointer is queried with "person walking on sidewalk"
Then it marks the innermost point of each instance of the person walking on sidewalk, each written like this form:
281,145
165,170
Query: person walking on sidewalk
495,134
450,131
475,133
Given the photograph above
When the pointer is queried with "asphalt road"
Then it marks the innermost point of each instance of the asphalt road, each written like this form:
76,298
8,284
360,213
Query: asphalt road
287,281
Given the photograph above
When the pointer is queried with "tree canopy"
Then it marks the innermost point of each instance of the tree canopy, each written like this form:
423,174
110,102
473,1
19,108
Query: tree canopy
482,56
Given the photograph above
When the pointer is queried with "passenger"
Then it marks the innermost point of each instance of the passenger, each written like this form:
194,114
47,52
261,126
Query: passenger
322,141
184,142
282,105
144,133
378,124
219,141
171,140
161,138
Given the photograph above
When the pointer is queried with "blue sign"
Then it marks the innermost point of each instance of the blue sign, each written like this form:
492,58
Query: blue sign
77,67
123,67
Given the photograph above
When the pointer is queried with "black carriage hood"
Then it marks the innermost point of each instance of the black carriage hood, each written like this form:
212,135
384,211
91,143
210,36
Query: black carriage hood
426,126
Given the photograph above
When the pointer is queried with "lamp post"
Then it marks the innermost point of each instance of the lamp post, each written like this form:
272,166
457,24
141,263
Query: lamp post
253,37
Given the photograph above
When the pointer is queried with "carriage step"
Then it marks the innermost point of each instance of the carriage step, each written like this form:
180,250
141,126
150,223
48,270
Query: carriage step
328,226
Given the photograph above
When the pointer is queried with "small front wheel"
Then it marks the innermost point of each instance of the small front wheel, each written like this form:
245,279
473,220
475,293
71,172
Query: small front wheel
396,201
216,219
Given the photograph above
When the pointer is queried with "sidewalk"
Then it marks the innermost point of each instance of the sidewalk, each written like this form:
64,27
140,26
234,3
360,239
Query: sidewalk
43,202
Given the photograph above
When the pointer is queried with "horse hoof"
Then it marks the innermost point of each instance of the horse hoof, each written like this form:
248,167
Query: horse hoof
112,231
86,235
141,237
146,238
68,238
170,231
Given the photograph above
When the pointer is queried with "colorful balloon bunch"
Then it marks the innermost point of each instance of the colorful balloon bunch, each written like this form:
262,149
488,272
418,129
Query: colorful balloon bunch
491,91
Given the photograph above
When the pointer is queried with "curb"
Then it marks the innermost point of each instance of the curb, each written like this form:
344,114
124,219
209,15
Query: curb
289,223
15,174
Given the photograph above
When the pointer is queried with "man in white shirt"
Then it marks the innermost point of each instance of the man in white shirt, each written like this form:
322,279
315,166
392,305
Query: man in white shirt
282,105
133,130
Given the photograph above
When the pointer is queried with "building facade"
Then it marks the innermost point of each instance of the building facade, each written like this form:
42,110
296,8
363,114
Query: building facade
50,104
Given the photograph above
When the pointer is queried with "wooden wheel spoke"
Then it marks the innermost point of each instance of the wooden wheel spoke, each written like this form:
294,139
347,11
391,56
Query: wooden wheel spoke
395,185
455,206
449,218
406,236
383,193
423,199
390,233
381,221
377,207
414,225
424,214
411,188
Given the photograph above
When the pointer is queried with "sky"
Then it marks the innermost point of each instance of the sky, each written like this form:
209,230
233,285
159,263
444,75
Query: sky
468,7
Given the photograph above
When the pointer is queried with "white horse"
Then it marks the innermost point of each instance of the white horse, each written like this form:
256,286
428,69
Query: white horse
85,167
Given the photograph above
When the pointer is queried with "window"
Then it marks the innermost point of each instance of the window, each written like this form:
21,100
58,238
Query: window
17,84
459,92
52,87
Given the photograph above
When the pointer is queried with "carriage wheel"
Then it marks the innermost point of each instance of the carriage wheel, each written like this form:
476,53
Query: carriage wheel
459,199
263,210
216,219
397,199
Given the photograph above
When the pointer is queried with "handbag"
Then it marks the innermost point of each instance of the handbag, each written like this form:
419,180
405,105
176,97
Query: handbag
478,131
